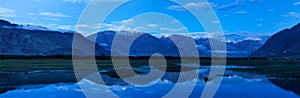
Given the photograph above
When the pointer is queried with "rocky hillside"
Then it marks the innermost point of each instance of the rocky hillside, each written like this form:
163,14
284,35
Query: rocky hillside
18,41
284,44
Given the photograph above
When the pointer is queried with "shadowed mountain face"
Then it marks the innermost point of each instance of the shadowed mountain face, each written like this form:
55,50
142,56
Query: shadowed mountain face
285,44
18,41
146,44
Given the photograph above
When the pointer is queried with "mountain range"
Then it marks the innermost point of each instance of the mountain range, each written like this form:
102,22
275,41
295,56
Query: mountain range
146,44
36,40
15,40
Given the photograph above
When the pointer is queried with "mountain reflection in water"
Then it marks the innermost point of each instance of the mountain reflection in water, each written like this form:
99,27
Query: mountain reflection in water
60,83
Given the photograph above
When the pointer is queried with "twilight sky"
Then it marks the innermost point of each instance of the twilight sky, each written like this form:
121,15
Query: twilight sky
254,16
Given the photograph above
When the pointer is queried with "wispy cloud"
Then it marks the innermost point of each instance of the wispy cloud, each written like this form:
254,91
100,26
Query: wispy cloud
77,1
50,15
205,5
96,1
291,14
82,26
53,19
231,5
297,3
193,5
123,25
152,25
271,10
54,26
173,30
124,22
241,12
254,1
236,3
259,24
5,12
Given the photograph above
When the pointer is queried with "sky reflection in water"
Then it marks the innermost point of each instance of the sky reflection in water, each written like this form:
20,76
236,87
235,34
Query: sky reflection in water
234,85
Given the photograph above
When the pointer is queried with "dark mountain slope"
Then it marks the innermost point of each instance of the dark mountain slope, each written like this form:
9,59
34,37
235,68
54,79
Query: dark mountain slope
285,44
17,41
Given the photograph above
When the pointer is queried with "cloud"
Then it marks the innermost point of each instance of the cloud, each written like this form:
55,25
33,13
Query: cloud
254,1
63,27
112,0
52,19
123,25
203,5
271,10
5,12
55,26
253,38
31,14
291,14
193,5
51,14
231,5
95,1
236,3
77,1
152,25
139,29
126,22
241,12
260,25
297,3
172,30
82,26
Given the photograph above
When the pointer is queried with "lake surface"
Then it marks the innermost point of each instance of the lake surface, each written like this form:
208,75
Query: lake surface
234,84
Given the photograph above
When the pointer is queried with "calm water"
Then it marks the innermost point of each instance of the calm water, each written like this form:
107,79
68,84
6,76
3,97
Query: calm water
234,84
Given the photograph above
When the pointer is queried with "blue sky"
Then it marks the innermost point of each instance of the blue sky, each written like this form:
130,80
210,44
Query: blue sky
253,16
